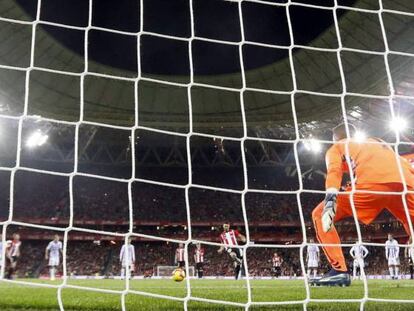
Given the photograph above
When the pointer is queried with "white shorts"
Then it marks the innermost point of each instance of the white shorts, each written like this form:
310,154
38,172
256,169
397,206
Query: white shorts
131,267
313,264
359,263
54,261
393,261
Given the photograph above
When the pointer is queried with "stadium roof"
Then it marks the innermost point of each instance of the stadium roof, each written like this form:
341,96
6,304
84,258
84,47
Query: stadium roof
217,111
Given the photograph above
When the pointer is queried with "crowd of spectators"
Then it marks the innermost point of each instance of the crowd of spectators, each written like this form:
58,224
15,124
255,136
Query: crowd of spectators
162,211
45,198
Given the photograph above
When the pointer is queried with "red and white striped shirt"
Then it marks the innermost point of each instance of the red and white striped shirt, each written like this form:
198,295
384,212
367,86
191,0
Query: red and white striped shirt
13,248
199,255
229,238
277,261
179,254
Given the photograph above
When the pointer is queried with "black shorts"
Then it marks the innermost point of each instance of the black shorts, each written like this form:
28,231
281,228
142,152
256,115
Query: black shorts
199,266
237,251
277,270
181,264
13,259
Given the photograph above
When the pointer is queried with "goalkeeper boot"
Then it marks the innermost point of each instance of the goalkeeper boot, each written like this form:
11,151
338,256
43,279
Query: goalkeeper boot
333,278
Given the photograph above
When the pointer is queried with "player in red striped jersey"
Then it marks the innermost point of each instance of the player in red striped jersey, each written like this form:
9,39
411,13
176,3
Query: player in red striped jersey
13,254
179,256
277,265
199,260
230,238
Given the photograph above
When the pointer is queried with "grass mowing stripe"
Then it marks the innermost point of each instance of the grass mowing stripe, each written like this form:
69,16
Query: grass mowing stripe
14,297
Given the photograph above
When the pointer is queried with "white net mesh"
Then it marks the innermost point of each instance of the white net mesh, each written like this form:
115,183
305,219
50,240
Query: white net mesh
298,64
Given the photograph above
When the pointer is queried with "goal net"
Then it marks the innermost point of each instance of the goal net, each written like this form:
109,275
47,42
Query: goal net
164,120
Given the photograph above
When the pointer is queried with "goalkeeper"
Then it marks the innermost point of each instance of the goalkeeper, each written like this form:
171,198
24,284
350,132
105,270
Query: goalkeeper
375,168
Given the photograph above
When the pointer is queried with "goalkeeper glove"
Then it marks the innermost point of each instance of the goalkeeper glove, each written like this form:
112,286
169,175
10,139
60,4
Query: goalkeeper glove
329,211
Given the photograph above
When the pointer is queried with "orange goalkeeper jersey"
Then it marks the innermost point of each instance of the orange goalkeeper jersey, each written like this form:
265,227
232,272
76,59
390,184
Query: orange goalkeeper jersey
372,163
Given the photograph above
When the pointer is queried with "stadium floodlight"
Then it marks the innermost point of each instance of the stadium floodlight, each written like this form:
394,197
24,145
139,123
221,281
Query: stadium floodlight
398,124
313,145
36,139
360,136
355,114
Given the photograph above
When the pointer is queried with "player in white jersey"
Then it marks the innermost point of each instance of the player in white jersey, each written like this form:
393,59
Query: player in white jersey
409,254
358,252
230,238
52,253
312,258
13,254
179,258
392,254
127,258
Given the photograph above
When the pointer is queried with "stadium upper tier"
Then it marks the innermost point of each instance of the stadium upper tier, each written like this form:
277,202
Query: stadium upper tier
162,211
267,67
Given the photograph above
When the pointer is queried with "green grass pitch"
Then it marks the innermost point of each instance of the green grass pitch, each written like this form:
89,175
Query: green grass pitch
34,298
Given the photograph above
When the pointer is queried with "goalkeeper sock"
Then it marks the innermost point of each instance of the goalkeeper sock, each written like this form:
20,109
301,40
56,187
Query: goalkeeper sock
309,272
396,272
315,272
334,254
122,273
52,273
